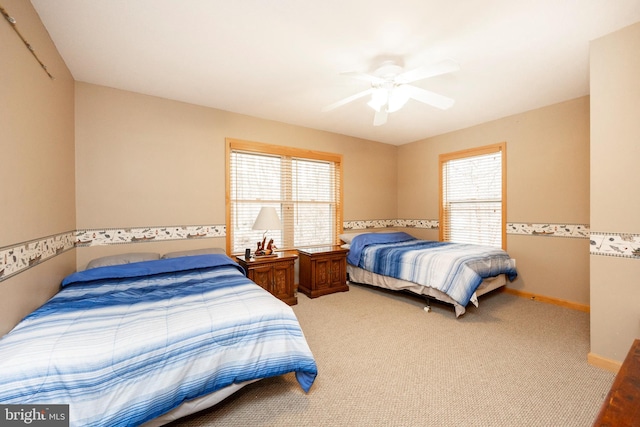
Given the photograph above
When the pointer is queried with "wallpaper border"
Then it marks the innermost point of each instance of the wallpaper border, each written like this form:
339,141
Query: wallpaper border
389,223
118,236
576,231
580,231
20,257
621,245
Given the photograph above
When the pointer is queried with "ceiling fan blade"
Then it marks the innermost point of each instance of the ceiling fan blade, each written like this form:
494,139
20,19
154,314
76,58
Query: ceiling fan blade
428,97
443,67
348,100
381,117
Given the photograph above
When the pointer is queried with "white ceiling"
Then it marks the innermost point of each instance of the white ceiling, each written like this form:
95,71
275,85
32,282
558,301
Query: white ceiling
281,59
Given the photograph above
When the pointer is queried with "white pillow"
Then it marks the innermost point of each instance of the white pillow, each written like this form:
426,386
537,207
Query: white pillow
123,259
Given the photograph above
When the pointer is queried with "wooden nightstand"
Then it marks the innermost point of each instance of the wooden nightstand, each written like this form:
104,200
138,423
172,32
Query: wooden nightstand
323,270
275,274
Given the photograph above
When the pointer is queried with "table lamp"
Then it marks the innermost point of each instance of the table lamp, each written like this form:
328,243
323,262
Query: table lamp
267,220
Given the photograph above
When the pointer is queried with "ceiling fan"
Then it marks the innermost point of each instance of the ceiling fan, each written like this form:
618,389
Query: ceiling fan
390,88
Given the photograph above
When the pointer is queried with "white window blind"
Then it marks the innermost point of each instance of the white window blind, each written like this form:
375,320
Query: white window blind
472,196
314,202
304,190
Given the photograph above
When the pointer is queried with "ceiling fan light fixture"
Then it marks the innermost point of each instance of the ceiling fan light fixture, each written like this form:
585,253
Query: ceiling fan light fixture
397,99
379,99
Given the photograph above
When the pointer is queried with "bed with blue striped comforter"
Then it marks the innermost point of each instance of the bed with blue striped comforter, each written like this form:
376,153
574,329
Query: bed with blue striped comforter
125,344
453,268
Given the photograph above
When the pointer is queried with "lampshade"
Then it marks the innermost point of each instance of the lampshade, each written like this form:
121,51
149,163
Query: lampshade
267,219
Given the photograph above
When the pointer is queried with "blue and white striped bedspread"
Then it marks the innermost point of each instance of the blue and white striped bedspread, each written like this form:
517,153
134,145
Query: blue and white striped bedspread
453,268
123,345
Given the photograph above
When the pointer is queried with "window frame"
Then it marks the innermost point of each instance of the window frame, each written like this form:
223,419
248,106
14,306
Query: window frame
467,153
288,152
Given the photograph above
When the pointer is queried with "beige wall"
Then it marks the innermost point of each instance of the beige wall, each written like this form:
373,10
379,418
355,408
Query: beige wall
547,182
37,146
147,161
615,195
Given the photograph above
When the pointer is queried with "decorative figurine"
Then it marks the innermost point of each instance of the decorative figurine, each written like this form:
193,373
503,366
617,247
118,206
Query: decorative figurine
262,251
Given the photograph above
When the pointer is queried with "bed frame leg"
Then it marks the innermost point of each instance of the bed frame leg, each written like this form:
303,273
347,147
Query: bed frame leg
427,308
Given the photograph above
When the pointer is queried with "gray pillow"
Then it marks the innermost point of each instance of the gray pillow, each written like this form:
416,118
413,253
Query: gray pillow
348,236
194,252
123,259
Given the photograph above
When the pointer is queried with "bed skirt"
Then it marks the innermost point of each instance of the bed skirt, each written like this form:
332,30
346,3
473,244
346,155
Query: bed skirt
358,275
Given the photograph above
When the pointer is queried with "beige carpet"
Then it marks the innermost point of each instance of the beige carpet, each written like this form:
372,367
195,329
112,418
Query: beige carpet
383,361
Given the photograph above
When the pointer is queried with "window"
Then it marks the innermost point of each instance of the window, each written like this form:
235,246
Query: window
304,186
473,196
